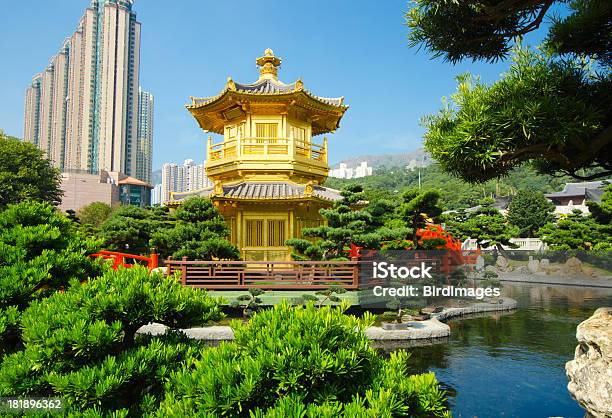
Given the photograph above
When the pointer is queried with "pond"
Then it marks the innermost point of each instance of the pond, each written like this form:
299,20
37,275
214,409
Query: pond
513,364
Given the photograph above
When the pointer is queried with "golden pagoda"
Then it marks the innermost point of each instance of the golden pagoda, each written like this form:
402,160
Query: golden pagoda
267,172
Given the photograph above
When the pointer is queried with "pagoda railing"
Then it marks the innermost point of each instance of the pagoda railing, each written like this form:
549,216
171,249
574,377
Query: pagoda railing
257,147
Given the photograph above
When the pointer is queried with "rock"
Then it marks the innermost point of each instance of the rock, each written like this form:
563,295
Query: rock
491,268
545,264
572,266
501,263
480,263
522,270
394,326
590,373
533,265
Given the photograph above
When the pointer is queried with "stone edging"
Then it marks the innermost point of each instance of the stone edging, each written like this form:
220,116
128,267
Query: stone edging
429,329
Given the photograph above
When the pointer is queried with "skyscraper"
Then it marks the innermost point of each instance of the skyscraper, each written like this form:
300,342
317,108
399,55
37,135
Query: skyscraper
82,110
144,140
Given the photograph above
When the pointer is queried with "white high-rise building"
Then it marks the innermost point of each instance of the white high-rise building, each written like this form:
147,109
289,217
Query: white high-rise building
156,195
183,178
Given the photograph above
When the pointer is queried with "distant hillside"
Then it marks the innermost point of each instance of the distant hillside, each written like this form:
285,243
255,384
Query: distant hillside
390,182
413,158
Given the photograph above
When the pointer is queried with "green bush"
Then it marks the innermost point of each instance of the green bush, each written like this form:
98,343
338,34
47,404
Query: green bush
199,232
40,252
300,361
82,346
25,173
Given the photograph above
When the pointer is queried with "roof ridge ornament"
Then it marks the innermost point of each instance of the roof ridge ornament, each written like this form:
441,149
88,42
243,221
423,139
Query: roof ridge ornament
268,65
230,85
299,84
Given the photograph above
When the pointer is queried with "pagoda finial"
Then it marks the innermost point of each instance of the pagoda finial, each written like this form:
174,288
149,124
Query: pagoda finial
268,65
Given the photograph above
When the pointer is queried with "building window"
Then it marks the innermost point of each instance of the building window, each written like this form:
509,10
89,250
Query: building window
254,233
276,233
265,131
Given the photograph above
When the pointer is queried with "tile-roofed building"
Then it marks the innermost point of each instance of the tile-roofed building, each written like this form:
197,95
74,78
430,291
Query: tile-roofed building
268,171
575,195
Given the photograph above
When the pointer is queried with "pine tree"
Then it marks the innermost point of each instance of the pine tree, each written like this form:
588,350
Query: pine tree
529,211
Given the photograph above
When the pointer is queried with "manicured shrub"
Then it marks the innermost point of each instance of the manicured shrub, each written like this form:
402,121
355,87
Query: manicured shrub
300,361
40,252
82,346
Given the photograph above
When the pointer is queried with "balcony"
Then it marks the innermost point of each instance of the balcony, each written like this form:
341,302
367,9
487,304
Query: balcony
278,153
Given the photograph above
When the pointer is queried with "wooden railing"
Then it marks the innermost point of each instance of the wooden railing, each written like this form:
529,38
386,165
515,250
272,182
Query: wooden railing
290,275
267,146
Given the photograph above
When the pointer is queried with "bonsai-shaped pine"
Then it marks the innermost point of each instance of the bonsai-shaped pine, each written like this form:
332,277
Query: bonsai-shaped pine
198,232
348,222
41,251
322,296
129,229
250,302
301,362
486,225
82,345
575,232
417,207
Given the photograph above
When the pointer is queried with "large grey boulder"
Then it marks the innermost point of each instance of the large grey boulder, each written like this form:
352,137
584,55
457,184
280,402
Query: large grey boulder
572,267
590,373
502,263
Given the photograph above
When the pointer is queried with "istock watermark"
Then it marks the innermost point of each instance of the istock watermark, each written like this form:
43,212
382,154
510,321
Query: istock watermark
421,277
385,270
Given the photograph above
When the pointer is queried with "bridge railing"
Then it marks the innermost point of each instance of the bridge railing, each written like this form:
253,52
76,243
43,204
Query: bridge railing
120,259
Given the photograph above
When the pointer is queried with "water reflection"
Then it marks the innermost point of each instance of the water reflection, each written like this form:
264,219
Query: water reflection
512,364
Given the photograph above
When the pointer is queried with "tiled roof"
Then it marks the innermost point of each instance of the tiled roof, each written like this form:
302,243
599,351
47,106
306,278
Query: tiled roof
590,188
265,190
268,87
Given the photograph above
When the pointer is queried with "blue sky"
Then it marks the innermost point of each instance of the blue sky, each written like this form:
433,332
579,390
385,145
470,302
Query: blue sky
357,49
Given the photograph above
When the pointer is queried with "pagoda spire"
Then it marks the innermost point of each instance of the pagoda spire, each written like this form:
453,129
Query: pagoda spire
268,65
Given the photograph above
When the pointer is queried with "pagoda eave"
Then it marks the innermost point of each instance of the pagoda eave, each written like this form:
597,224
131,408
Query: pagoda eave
212,115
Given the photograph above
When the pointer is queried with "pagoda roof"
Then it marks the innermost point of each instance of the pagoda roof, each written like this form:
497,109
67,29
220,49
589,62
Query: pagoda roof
211,112
266,88
280,190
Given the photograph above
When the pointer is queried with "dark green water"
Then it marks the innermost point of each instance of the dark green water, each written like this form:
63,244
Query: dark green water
513,365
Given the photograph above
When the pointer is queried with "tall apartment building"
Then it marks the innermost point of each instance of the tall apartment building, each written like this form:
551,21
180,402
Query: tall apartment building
144,141
82,110
182,178
156,195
